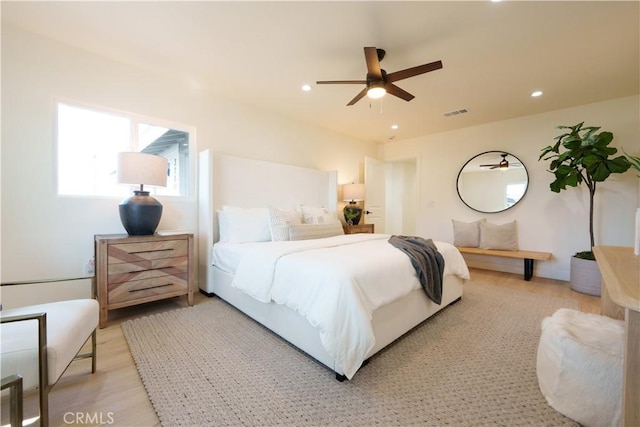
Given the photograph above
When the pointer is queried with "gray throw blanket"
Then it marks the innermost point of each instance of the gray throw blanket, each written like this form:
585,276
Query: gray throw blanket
426,260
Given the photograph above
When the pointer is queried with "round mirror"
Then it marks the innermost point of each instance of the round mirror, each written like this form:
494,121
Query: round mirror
492,181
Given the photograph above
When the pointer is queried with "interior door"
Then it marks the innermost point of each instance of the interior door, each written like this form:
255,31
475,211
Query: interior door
374,203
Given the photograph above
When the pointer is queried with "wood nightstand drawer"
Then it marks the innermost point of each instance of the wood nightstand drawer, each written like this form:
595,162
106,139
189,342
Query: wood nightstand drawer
149,265
144,251
145,288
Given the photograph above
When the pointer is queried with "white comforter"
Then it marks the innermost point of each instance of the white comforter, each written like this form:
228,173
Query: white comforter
336,283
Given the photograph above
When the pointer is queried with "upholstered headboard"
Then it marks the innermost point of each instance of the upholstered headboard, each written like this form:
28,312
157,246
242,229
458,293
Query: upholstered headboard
249,183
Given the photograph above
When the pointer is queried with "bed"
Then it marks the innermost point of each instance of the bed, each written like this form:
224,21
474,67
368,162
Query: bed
262,278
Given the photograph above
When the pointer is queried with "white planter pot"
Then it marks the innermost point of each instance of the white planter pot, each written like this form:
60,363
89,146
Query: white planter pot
585,276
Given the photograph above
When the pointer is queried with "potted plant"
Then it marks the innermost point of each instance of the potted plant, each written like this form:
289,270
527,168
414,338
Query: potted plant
582,155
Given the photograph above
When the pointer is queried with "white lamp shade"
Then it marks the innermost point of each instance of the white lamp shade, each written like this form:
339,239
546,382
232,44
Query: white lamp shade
142,168
353,192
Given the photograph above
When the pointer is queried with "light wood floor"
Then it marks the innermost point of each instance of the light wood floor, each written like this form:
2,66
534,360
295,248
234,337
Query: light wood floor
115,396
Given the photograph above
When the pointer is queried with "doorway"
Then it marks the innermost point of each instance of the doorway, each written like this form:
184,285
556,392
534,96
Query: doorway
392,195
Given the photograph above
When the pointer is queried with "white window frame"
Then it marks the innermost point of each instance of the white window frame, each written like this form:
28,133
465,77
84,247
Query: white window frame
134,119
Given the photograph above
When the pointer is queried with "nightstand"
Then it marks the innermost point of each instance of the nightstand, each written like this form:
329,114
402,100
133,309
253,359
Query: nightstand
132,270
360,228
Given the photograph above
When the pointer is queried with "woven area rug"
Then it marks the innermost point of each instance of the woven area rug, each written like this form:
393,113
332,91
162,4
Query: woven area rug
473,364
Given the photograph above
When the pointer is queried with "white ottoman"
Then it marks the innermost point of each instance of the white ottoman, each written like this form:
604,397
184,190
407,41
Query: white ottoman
579,366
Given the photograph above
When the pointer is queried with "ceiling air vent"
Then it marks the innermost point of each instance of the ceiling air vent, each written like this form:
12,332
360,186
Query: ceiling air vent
456,112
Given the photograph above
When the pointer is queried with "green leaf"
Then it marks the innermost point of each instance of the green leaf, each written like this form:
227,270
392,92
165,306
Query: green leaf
606,137
573,179
556,186
600,172
618,165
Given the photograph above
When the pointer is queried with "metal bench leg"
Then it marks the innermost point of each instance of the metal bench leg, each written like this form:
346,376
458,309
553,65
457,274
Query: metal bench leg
528,268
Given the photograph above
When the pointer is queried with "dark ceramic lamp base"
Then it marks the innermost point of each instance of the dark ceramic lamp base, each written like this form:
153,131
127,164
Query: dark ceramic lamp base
140,214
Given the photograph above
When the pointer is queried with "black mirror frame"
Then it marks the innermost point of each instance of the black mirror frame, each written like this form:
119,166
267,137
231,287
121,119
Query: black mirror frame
478,155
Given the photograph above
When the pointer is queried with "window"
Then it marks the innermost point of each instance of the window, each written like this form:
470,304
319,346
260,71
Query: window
89,141
515,192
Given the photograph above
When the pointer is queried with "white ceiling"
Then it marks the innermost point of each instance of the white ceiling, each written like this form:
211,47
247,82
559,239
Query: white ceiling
494,54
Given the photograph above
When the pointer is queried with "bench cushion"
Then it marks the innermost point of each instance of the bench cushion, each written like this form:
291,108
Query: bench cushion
466,233
502,237
69,325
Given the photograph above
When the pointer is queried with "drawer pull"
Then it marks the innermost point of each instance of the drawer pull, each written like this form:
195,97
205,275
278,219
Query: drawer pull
150,287
168,268
153,250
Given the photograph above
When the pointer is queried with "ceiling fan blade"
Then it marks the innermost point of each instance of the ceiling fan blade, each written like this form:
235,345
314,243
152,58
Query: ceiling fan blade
495,165
342,82
400,93
358,97
373,64
414,71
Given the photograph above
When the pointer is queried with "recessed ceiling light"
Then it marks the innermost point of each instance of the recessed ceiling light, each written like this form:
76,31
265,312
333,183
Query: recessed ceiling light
394,126
306,88
536,93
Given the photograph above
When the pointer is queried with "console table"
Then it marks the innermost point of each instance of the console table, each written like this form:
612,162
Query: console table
620,270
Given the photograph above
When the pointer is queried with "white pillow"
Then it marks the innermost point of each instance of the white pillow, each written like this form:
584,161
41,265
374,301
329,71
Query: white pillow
240,225
314,231
466,233
279,221
313,215
503,237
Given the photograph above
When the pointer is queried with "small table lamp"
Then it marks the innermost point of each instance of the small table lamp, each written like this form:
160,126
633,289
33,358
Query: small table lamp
352,193
140,214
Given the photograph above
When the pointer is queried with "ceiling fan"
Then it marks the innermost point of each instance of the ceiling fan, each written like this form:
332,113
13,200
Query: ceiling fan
378,82
503,164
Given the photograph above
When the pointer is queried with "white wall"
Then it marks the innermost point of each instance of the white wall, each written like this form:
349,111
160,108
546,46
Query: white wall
547,221
45,236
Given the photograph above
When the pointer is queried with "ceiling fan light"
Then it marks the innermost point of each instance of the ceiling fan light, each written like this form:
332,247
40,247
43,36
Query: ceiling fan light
504,164
376,92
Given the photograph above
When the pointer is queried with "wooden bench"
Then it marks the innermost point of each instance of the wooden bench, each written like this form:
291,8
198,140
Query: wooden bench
527,256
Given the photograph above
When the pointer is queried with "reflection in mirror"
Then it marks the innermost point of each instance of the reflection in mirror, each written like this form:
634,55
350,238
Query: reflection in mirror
492,182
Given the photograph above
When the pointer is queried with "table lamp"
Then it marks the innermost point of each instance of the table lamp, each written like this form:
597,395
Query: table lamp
352,193
140,214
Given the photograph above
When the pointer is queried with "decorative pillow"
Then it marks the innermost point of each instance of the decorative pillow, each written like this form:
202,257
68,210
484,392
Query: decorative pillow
466,233
279,221
240,225
314,231
503,237
313,215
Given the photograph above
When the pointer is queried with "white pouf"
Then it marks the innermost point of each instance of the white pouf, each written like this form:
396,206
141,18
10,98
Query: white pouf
579,366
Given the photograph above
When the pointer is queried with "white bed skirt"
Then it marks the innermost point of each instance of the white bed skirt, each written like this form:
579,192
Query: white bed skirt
389,322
